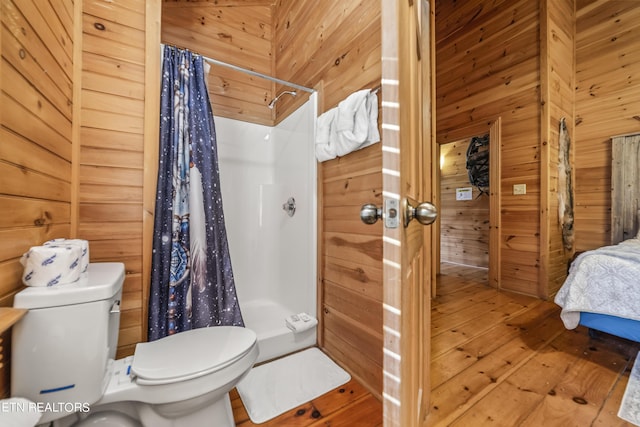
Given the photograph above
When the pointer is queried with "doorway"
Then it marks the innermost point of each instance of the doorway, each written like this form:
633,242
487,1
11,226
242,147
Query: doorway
468,229
464,202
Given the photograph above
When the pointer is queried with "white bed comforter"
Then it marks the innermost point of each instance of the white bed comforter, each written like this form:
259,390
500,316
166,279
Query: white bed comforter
603,281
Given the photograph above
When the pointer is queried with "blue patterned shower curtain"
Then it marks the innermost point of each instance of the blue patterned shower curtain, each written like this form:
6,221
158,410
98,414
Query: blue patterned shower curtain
192,282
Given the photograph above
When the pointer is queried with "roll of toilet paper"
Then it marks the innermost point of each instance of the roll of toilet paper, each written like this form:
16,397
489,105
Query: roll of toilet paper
51,265
82,244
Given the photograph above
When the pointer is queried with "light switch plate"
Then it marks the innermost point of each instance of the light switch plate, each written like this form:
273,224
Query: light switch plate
520,189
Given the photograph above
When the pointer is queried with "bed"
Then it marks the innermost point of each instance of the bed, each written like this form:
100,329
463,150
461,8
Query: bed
602,290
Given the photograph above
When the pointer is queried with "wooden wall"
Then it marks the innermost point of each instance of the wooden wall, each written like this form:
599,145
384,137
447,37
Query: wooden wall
514,60
557,83
335,46
234,32
35,154
464,224
111,160
351,266
336,43
36,112
487,66
74,172
607,104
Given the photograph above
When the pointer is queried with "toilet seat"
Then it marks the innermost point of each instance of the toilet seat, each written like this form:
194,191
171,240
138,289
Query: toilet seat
190,354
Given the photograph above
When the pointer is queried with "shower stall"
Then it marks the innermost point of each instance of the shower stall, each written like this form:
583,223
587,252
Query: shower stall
268,180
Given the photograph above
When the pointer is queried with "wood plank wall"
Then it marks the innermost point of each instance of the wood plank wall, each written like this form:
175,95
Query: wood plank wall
493,76
36,111
236,33
35,154
487,66
335,45
111,148
607,104
557,82
464,229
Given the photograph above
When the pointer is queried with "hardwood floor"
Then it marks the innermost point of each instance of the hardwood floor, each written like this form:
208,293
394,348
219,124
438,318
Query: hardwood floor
497,359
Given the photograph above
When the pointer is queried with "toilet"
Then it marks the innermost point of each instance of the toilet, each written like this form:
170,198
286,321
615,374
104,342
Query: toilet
63,357
18,412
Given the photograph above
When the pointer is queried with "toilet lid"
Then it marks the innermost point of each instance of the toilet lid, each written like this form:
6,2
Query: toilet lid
190,354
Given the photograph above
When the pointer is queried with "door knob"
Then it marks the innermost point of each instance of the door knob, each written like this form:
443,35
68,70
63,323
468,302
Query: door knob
425,212
369,213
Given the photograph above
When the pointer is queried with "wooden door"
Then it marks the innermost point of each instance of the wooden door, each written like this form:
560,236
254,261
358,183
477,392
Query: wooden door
407,174
625,187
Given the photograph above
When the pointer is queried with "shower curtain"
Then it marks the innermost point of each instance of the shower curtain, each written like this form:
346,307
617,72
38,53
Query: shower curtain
192,283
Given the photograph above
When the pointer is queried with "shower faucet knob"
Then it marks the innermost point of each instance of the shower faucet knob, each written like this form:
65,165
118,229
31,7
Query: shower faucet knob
290,206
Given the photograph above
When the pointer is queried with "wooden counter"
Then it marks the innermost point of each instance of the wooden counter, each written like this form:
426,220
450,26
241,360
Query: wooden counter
9,316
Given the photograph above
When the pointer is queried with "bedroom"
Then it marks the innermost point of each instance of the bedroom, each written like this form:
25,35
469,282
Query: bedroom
345,53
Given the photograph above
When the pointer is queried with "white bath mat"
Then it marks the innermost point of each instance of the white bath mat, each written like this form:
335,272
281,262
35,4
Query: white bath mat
274,388
630,406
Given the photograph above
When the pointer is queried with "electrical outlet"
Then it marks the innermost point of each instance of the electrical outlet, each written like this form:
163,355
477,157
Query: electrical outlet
520,189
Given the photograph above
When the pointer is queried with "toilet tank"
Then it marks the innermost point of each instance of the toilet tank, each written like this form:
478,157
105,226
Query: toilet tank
61,347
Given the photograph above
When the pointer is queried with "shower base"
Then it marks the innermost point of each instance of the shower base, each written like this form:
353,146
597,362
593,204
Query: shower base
266,319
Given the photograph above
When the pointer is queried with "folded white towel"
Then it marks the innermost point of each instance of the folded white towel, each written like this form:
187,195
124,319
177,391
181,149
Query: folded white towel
358,119
51,265
300,322
350,126
325,147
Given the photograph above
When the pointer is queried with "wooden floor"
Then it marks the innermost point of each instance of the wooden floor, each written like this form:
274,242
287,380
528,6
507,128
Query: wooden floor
497,359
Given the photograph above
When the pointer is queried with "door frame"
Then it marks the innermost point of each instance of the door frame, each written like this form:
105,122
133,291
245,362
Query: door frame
493,128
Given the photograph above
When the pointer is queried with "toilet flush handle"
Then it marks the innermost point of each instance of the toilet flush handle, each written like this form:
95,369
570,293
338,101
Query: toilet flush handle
115,308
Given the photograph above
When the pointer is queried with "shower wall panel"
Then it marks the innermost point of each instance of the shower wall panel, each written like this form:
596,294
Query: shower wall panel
273,254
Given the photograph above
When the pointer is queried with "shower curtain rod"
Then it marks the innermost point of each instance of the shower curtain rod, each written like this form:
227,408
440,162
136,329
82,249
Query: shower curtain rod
251,72
257,74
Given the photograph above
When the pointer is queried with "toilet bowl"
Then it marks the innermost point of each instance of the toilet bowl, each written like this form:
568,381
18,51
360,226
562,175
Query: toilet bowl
18,412
108,418
63,352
